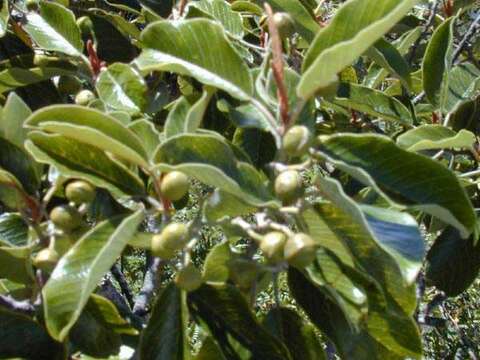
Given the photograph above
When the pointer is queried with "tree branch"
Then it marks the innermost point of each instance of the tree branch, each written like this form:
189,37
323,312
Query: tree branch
466,38
150,283
122,282
23,306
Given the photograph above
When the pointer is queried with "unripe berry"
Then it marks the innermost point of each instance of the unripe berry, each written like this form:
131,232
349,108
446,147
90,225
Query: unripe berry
46,259
174,185
189,278
80,192
173,238
66,218
300,250
284,24
84,97
288,186
272,246
297,140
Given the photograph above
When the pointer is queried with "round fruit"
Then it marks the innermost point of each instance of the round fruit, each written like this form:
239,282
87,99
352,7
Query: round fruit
284,23
300,250
80,192
46,259
85,24
174,185
66,217
288,186
297,140
68,84
32,5
272,246
243,272
189,278
173,238
84,97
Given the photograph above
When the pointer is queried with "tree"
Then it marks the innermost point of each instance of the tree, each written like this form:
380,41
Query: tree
279,170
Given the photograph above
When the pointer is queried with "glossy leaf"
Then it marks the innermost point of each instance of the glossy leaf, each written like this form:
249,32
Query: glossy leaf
224,310
122,88
22,337
54,29
378,162
357,25
209,159
4,17
90,127
165,335
453,263
214,56
372,102
219,10
430,137
76,275
216,269
13,115
78,160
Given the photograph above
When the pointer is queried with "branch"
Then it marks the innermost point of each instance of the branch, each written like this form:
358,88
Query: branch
150,283
466,38
122,282
23,306
277,67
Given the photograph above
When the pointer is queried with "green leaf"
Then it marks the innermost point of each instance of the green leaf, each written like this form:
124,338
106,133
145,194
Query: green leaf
219,10
431,137
437,63
98,330
12,193
13,230
210,350
224,310
122,88
55,29
148,133
216,268
378,162
304,22
372,102
165,335
463,85
16,77
4,16
453,263
12,117
15,264
387,55
91,127
212,161
197,48
357,25
78,272
299,336
220,205
22,337
82,161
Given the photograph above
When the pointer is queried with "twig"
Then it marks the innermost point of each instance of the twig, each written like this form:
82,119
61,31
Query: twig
23,306
181,7
122,282
277,67
150,283
431,18
466,38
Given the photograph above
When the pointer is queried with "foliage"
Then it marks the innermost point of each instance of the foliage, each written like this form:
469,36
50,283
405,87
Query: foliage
215,179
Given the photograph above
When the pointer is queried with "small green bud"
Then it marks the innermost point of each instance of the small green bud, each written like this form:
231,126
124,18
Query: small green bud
173,237
84,97
174,185
288,186
300,250
272,246
66,218
297,140
80,192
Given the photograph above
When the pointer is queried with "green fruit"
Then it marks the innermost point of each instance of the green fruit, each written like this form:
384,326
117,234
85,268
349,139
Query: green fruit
284,24
46,259
173,238
68,84
66,218
32,5
189,278
243,272
80,192
300,250
288,186
174,185
84,97
297,140
85,24
272,246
